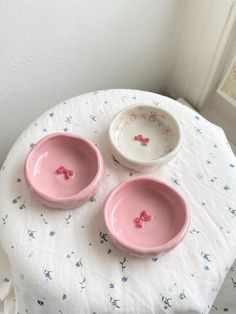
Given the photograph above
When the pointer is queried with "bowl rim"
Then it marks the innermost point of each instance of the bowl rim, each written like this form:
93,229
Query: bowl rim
168,156
81,194
137,248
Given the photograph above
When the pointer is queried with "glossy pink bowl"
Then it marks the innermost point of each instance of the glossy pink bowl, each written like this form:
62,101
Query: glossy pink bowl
72,152
167,209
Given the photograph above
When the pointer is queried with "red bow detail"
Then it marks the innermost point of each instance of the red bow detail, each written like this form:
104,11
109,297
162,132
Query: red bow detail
144,216
143,140
67,172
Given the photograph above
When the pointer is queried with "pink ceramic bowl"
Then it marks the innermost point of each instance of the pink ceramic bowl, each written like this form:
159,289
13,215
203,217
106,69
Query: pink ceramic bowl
167,216
63,170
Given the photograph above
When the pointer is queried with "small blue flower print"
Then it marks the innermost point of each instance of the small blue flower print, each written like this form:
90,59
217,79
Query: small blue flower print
52,233
22,206
94,118
92,199
213,179
68,119
51,114
206,268
205,256
44,220
64,296
103,237
166,301
232,211
154,259
79,263
40,302
124,279
16,199
226,187
115,160
114,302
111,286
197,117
232,165
182,296
4,219
82,284
66,130
67,219
47,274
194,231
18,180
233,282
176,181
109,251
199,131
6,279
31,234
123,266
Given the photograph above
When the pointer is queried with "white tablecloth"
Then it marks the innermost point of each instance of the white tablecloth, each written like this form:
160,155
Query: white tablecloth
63,262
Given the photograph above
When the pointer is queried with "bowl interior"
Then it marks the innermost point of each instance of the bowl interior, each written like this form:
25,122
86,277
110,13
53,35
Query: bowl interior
70,152
153,123
165,205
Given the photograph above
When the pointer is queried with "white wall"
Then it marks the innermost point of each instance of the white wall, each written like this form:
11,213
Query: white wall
52,50
216,108
203,29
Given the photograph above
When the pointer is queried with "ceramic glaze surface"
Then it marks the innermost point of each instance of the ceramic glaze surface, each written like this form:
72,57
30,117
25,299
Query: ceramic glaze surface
72,153
153,123
55,153
167,208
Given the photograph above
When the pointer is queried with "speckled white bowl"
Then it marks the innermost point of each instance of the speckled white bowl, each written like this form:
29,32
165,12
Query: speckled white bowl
159,125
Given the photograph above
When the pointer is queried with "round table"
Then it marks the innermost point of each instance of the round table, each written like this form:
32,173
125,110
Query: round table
62,261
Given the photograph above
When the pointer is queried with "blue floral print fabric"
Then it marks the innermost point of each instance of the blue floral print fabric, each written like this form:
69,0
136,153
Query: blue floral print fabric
62,261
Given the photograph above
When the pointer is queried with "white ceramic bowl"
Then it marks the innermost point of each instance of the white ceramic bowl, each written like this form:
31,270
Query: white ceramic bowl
158,125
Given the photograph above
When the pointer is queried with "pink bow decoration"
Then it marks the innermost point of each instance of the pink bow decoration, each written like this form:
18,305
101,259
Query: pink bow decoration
144,216
67,172
143,140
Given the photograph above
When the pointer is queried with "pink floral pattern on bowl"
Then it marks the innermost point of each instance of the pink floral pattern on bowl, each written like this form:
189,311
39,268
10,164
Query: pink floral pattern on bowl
160,126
